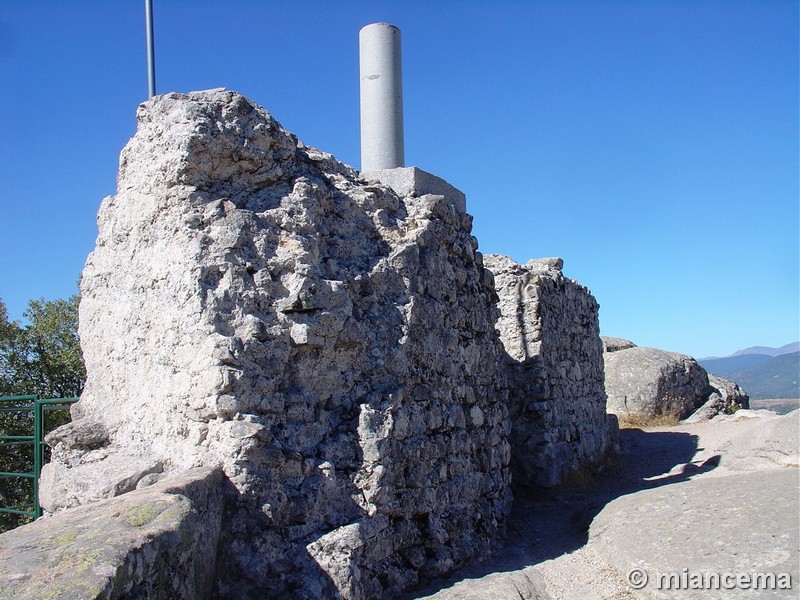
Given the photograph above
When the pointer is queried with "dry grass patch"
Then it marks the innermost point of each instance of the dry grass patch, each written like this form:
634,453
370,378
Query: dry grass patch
640,421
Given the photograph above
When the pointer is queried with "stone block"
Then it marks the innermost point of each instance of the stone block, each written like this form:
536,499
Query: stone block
413,181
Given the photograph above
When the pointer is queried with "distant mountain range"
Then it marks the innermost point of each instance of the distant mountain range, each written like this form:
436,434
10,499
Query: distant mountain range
762,371
767,351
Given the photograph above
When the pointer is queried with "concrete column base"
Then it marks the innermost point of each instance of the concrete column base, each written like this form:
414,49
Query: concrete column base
411,181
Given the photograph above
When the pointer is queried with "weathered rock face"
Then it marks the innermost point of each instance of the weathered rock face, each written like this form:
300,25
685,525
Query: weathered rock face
158,542
648,383
731,396
725,398
549,327
613,344
252,304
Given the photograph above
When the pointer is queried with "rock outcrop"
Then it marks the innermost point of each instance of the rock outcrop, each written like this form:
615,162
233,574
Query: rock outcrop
251,303
614,344
557,403
725,398
647,383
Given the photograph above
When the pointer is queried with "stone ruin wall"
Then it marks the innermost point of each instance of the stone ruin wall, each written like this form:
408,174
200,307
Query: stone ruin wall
251,303
335,346
557,402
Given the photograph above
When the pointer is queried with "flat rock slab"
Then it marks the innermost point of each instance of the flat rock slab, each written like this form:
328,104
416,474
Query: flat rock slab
157,542
525,584
771,442
740,523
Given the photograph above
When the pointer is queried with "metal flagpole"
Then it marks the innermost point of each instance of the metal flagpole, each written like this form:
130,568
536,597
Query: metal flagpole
151,55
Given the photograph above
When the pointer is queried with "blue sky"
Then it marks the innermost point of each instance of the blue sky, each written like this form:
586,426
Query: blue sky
651,144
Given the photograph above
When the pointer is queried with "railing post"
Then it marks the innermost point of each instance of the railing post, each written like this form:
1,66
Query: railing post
38,434
11,404
39,408
42,406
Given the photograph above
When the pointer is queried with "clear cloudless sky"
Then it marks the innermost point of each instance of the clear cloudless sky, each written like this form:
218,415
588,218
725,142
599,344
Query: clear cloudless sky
652,144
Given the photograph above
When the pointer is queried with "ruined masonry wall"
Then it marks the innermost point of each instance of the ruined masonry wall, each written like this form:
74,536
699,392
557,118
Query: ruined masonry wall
251,303
333,345
557,402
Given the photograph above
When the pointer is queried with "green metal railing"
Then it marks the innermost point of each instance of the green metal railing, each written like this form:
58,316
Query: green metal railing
37,408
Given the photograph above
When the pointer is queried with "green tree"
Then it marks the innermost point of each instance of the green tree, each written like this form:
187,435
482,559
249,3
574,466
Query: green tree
42,357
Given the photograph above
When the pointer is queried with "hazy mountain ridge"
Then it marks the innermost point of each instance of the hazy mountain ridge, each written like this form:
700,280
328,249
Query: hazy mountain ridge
762,376
758,351
726,367
768,351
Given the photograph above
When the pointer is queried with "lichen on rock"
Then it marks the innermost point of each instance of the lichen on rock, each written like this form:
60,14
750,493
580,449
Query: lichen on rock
159,542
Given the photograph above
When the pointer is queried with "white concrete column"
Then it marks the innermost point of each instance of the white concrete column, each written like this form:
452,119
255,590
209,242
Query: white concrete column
382,144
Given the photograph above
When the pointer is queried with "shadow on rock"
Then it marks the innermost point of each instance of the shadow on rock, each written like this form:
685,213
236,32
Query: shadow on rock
547,523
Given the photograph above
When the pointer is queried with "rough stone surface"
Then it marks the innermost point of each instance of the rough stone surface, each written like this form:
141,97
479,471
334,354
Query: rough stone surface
548,533
550,330
613,344
649,383
159,542
733,508
526,584
659,531
773,441
85,434
96,475
252,303
726,398
646,383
